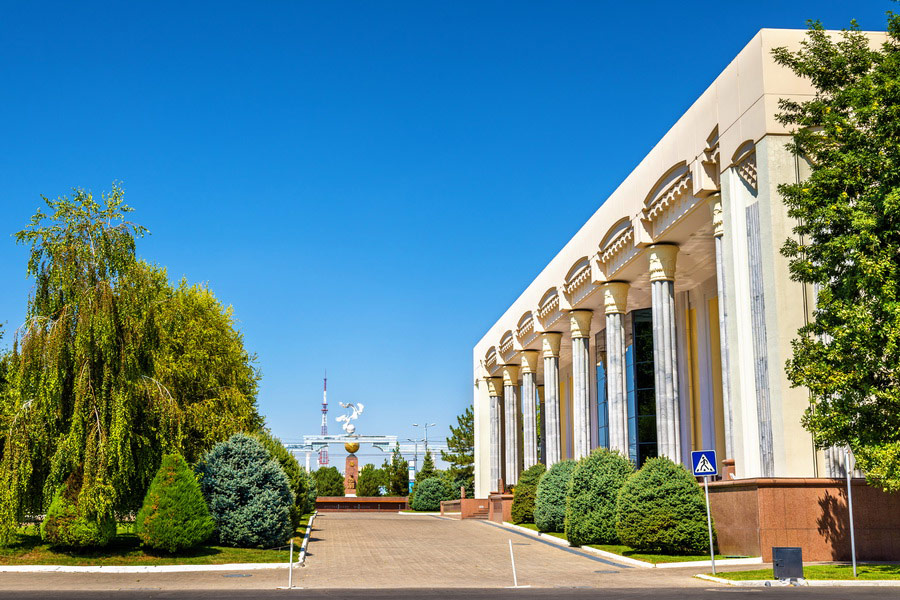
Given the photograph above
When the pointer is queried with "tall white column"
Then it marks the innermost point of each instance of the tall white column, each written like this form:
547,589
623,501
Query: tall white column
495,391
662,284
511,410
529,413
718,232
615,296
550,349
580,327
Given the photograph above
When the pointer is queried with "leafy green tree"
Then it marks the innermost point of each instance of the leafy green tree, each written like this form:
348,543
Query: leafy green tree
591,497
397,474
370,481
174,516
550,501
329,481
311,494
69,523
295,473
248,494
460,453
847,242
113,368
661,508
525,492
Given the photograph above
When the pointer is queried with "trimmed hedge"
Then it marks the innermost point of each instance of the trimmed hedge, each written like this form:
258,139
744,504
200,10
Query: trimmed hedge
591,497
429,494
248,494
174,515
550,499
525,492
65,525
662,508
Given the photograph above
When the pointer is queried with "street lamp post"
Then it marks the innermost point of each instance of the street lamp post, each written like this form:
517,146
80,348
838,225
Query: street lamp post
425,426
415,451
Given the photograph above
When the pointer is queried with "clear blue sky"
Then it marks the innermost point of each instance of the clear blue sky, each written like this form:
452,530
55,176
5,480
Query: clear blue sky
369,184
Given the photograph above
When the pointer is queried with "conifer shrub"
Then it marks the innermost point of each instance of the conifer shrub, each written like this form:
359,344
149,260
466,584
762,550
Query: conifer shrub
66,525
429,494
291,468
329,481
370,481
174,515
248,494
525,492
550,499
661,508
591,497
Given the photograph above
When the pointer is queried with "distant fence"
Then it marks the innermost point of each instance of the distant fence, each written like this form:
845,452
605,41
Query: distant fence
361,504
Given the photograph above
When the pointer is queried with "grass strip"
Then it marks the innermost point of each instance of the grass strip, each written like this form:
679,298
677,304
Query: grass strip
824,572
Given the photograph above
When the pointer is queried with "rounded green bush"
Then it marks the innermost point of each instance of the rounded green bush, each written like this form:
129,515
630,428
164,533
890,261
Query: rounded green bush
429,494
591,497
65,525
248,494
661,508
174,515
525,492
550,499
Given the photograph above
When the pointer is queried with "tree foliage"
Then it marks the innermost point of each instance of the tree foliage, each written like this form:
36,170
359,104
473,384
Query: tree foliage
174,515
460,453
248,494
429,494
550,500
591,497
847,242
370,481
397,471
113,367
295,473
71,524
661,508
329,481
525,492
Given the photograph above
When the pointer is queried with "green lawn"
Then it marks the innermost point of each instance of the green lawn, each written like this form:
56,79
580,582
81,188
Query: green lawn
125,549
630,553
823,572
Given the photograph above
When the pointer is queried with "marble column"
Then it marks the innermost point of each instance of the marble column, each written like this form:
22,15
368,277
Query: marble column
495,391
511,411
550,349
718,231
615,296
665,361
580,327
529,405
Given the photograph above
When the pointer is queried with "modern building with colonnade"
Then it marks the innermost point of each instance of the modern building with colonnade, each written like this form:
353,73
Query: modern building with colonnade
663,326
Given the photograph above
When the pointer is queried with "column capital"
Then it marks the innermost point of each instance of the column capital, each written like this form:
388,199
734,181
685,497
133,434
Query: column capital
662,262
580,322
495,386
615,297
510,375
550,343
715,206
529,361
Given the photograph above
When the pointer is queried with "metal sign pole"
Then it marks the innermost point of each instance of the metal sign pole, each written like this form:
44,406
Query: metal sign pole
291,567
712,553
850,509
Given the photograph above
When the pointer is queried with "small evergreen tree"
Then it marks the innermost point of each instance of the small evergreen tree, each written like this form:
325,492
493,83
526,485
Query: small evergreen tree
370,481
430,493
329,481
591,497
525,492
312,493
174,515
661,508
428,469
398,474
460,453
550,501
248,494
291,468
68,524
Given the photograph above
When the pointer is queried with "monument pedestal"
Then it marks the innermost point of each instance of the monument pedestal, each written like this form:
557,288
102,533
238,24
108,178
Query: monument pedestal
351,470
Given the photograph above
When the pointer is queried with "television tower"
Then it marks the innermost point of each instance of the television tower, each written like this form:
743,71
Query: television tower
323,453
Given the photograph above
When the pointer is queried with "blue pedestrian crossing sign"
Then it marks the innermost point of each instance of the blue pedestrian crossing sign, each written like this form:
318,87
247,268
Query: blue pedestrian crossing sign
704,463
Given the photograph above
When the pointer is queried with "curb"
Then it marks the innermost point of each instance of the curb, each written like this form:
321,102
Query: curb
309,526
417,514
803,582
141,569
757,560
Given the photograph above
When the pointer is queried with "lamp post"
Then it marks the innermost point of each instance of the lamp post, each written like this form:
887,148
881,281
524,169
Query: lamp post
425,426
415,451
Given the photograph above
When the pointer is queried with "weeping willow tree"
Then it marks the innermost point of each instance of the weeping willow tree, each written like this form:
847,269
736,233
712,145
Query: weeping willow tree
113,367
